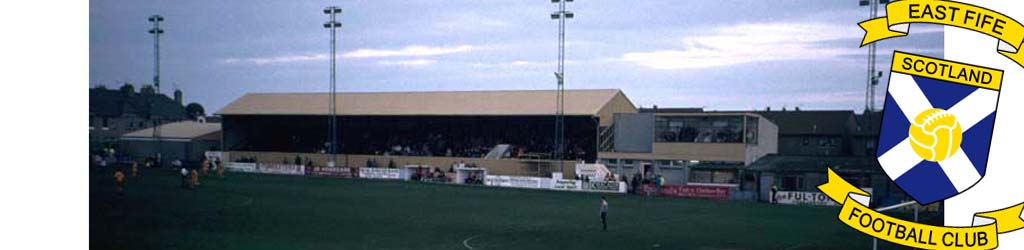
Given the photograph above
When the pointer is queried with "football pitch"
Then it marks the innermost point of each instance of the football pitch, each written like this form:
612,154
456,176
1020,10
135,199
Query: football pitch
247,211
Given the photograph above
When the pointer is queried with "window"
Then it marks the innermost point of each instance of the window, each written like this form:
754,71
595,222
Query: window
706,129
749,181
751,130
723,177
700,176
719,176
106,122
792,183
828,141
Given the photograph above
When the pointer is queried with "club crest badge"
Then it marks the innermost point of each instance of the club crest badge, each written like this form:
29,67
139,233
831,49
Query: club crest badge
937,128
937,125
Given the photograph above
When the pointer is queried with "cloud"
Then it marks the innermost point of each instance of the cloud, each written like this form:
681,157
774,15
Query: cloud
408,51
518,64
746,43
408,63
511,64
468,22
818,98
743,101
278,59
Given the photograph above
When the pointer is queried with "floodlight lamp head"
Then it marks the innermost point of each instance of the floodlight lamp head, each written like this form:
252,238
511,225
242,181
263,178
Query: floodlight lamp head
332,24
332,9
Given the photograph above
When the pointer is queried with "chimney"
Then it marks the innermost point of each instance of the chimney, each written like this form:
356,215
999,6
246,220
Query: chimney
177,97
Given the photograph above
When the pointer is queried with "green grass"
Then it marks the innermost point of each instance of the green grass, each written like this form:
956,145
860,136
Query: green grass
292,212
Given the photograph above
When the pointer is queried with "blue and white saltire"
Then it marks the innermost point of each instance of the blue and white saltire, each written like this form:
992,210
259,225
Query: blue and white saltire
928,181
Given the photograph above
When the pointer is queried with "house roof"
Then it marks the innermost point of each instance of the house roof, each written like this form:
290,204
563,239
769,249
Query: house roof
114,103
795,163
183,130
820,122
870,122
508,102
792,122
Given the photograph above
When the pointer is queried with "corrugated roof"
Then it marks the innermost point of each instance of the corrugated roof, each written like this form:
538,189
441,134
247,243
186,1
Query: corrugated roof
177,130
672,110
508,102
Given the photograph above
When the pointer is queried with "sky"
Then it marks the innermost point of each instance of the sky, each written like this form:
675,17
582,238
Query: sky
719,55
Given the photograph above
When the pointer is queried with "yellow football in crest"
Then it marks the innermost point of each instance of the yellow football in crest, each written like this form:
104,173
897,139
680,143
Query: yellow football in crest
935,135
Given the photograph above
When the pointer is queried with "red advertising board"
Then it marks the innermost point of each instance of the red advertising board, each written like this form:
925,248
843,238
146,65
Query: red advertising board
687,191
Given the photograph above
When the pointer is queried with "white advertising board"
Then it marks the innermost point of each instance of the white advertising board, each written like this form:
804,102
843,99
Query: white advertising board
517,181
807,198
287,169
243,167
566,185
605,186
380,173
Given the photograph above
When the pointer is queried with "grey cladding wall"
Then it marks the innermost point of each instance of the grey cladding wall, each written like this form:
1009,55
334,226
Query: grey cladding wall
634,132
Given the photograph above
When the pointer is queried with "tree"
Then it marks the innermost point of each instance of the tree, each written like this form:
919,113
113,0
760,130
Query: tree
194,110
147,90
127,89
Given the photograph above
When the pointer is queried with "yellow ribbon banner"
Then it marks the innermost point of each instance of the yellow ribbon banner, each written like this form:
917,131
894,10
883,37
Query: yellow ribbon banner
900,14
939,69
911,234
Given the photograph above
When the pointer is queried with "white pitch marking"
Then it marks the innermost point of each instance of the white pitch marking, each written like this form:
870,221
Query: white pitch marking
466,241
